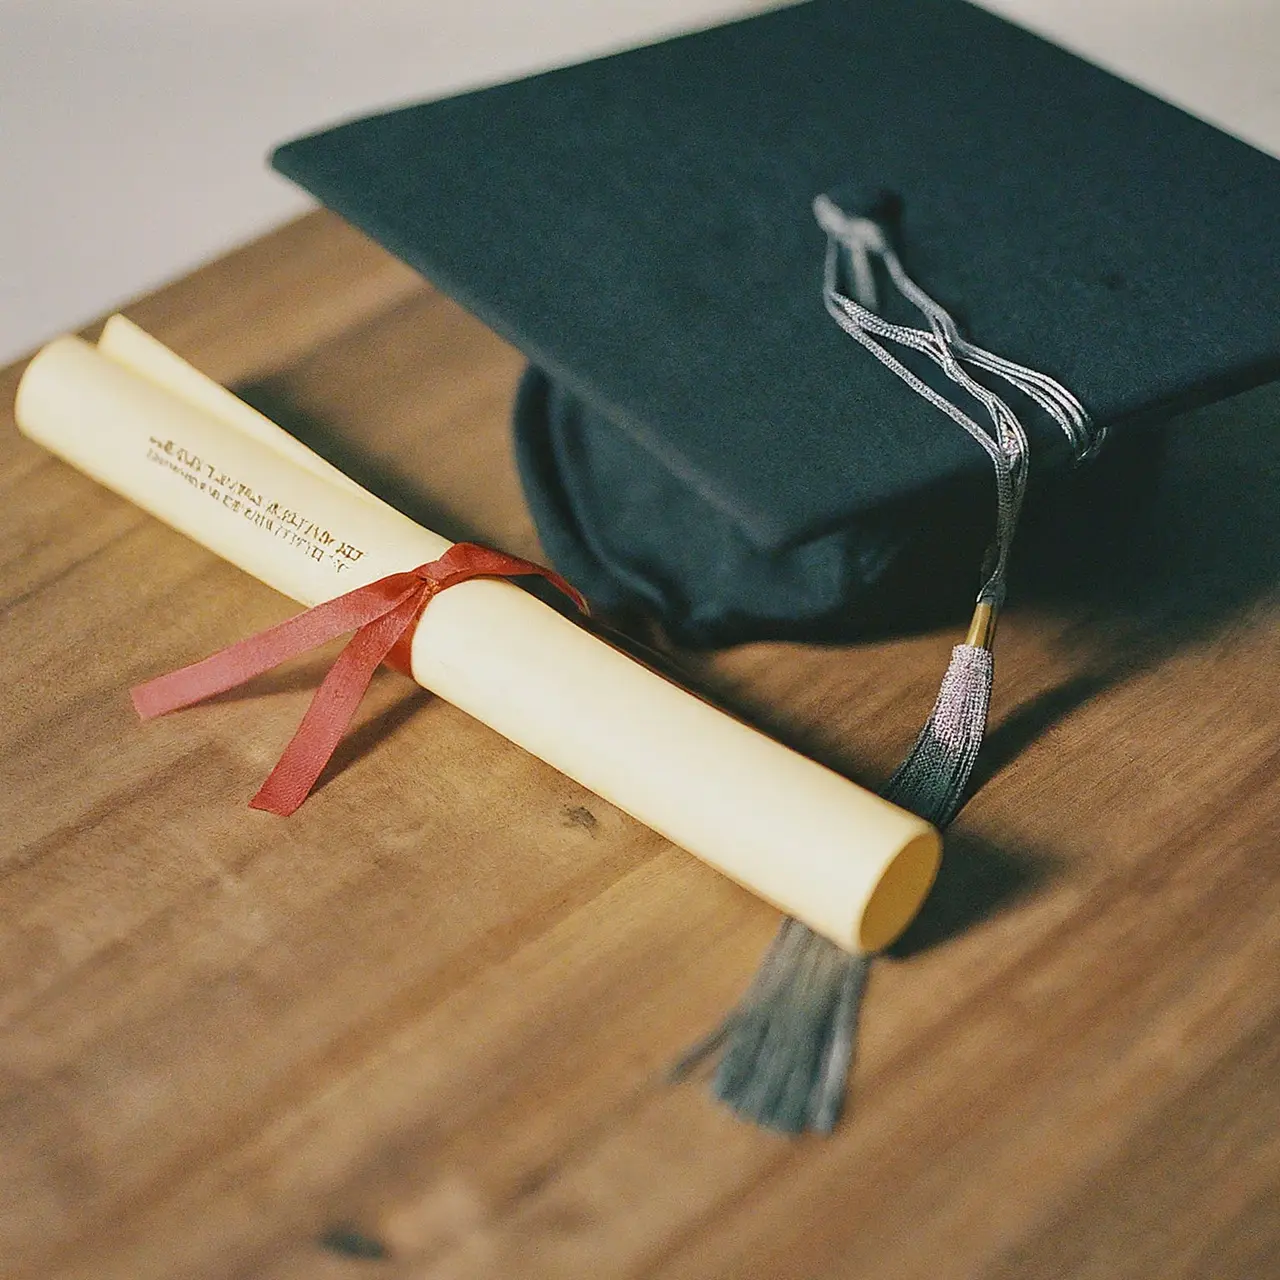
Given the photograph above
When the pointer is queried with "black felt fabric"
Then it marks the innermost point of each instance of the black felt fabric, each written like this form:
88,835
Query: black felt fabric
642,541
697,435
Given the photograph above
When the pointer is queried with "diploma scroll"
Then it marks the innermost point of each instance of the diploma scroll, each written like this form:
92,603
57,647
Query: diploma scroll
132,415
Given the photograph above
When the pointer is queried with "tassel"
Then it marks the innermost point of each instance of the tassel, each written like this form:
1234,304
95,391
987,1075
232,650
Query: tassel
787,1048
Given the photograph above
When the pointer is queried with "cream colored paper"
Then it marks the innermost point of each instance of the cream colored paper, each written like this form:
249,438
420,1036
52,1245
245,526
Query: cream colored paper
135,417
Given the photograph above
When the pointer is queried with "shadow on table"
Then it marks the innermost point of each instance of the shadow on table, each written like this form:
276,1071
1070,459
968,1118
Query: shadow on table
1174,547
414,500
975,881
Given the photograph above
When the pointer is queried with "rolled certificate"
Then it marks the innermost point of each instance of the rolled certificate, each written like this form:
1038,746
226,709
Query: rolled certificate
135,417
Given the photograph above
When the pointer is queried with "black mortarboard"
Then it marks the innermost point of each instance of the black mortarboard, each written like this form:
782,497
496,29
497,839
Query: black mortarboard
715,428
695,433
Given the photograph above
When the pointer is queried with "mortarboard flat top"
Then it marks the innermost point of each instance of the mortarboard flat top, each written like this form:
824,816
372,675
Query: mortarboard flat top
641,227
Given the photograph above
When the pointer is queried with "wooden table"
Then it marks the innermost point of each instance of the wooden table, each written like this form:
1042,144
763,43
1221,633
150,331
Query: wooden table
431,1012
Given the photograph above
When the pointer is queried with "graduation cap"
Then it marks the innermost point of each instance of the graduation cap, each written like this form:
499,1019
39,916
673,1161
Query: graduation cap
696,436
803,294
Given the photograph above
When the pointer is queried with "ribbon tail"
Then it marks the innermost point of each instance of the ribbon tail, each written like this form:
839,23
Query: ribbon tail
250,657
330,712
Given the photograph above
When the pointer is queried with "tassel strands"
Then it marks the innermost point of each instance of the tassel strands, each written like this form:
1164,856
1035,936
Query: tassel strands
786,1049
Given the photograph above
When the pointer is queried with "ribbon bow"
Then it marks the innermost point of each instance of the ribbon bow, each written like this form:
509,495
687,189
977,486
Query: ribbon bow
382,615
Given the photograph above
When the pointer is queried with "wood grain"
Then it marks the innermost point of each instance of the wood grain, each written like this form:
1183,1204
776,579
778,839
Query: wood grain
434,1008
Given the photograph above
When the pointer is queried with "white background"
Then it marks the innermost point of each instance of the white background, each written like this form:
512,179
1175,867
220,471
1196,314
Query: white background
132,132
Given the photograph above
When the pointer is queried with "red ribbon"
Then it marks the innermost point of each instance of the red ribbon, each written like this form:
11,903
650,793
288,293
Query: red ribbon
382,615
